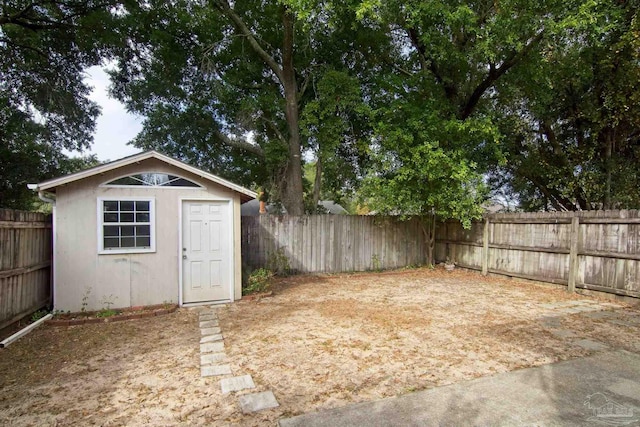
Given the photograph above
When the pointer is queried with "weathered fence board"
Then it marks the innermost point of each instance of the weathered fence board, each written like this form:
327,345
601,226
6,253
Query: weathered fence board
25,264
597,250
332,243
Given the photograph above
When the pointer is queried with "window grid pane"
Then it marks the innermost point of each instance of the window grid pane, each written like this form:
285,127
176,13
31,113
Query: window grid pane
127,224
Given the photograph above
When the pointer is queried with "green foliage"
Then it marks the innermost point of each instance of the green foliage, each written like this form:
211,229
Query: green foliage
375,263
106,312
278,263
107,302
337,129
38,315
570,125
44,105
259,281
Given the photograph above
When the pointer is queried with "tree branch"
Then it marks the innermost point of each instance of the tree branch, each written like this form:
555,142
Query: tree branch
495,73
224,6
274,128
240,144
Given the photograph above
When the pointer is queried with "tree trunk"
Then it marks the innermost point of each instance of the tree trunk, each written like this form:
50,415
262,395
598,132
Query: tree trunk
428,225
292,192
317,182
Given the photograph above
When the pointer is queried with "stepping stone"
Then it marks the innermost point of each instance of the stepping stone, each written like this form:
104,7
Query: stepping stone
610,304
208,323
587,308
550,322
563,333
215,370
591,345
211,338
212,358
569,310
209,331
207,317
600,315
212,347
257,402
236,383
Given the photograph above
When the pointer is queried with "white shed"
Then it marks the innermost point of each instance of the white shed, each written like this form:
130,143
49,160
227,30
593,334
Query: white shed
144,230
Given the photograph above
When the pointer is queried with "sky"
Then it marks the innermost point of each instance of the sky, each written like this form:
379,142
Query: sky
115,127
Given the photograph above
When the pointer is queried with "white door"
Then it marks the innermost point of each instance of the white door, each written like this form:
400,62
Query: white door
207,251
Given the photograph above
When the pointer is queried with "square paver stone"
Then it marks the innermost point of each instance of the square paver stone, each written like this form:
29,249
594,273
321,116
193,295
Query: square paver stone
563,333
600,315
208,323
236,383
209,331
212,358
212,347
591,345
211,338
215,370
257,402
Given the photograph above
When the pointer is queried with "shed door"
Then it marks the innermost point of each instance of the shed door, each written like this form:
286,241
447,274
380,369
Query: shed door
206,251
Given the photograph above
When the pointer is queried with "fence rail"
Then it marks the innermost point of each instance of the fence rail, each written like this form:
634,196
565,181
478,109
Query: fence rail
597,250
25,264
332,243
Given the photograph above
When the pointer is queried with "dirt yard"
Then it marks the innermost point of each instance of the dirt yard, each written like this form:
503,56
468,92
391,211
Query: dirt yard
320,342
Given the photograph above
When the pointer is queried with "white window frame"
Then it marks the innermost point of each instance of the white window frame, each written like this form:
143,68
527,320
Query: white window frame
101,223
106,184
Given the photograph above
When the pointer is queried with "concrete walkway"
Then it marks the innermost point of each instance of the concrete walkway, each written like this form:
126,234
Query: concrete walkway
213,363
599,390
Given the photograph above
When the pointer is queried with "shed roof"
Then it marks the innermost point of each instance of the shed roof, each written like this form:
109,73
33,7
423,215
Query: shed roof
51,184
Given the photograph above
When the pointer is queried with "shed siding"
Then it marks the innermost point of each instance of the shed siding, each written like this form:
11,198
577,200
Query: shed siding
125,279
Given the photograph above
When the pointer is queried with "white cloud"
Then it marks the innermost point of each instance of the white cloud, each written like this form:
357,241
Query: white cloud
115,126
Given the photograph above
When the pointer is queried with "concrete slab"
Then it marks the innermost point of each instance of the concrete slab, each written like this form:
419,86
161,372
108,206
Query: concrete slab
208,323
215,370
209,331
213,358
243,382
591,345
212,347
211,338
577,392
257,402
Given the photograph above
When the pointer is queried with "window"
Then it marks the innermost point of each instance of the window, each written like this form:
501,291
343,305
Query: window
126,225
153,179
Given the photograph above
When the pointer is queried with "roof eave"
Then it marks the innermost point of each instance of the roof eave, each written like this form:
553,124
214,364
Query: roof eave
50,185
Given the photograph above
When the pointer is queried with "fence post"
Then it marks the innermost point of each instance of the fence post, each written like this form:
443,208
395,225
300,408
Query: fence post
573,253
485,247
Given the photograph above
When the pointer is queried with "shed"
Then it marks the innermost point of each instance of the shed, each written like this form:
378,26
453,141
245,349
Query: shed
143,230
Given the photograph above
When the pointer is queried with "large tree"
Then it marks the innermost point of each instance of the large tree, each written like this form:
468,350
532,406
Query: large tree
224,85
45,46
570,119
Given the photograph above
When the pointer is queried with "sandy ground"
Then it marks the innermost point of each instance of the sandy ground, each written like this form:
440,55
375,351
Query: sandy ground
320,342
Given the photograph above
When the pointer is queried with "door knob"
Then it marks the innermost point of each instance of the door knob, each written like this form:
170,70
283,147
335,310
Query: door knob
184,257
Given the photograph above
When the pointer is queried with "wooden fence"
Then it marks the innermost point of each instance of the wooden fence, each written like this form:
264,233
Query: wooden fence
25,264
596,250
332,243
